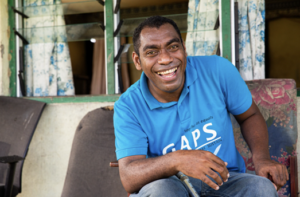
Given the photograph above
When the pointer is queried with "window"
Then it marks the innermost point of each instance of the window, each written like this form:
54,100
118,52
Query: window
72,21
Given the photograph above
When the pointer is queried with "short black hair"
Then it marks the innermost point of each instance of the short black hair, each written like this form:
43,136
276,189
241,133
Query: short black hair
152,22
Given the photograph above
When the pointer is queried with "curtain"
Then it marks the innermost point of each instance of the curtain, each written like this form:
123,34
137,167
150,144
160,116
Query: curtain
48,70
124,67
98,85
251,39
201,38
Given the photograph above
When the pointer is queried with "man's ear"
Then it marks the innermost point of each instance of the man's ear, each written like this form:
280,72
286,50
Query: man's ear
136,60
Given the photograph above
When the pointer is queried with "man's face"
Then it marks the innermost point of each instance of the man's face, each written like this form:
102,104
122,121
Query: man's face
163,60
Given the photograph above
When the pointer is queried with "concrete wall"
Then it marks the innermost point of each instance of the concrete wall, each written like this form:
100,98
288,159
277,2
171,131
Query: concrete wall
46,164
4,55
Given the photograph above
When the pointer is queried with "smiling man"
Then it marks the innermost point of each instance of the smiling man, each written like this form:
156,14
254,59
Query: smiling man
176,119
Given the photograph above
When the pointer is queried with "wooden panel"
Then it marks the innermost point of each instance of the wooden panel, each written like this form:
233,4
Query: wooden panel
109,47
226,30
143,3
124,4
294,176
12,50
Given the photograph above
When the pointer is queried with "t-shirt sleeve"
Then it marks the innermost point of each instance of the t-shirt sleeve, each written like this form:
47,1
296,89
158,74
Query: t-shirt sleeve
130,138
237,96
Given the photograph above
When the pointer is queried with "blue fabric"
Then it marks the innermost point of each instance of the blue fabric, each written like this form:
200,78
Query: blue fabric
251,14
201,38
199,120
48,69
238,184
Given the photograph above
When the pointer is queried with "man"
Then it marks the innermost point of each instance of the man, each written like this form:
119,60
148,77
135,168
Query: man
176,118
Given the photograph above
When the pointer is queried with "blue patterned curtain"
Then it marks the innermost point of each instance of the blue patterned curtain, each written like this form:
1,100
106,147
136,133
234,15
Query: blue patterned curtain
252,39
201,38
48,70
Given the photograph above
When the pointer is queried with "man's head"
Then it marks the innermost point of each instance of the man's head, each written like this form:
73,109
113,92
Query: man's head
161,55
152,22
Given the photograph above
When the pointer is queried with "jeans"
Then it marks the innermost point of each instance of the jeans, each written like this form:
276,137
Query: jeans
238,185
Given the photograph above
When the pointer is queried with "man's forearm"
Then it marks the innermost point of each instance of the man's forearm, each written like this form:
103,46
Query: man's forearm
139,170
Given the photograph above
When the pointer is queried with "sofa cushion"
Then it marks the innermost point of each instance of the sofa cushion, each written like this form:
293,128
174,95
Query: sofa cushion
276,100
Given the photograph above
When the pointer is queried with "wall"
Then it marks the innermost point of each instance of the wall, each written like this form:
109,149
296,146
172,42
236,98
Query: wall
4,56
284,47
46,164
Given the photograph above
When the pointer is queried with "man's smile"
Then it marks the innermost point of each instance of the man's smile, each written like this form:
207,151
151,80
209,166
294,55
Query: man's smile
168,73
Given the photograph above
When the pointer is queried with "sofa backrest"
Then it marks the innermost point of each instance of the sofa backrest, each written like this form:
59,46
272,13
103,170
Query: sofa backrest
93,149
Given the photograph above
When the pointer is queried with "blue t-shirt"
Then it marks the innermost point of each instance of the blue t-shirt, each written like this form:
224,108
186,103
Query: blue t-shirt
200,119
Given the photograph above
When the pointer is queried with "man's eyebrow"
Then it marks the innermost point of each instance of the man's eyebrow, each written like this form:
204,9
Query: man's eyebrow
173,40
153,46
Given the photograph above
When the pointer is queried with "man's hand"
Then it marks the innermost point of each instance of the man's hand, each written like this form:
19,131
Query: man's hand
272,170
200,164
136,171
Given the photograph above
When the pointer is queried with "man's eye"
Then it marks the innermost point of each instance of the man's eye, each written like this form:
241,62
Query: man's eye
174,47
151,52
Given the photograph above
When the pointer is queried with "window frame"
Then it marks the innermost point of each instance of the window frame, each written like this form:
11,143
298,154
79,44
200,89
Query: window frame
226,48
109,53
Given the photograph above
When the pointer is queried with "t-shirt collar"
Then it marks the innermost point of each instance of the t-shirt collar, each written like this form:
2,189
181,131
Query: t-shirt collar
190,71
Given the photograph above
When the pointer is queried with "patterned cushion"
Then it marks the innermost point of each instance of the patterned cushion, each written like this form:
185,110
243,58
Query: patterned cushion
276,100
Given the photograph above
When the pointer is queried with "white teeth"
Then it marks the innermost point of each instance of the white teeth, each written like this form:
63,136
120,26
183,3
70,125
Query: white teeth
167,71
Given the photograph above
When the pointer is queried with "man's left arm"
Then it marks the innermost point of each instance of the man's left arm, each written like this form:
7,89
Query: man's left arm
254,130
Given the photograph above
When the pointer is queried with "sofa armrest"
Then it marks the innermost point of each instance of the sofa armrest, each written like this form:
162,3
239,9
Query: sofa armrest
294,176
114,164
12,161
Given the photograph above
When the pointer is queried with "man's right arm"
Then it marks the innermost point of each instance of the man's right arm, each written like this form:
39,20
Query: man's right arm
137,171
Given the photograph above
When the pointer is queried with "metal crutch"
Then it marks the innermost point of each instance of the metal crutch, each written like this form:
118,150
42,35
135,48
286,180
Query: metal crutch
186,181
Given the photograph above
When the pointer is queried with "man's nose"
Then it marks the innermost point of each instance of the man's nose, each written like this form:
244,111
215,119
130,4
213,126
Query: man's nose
165,57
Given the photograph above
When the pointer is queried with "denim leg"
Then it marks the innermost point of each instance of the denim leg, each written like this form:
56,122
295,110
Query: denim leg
168,187
238,185
242,185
